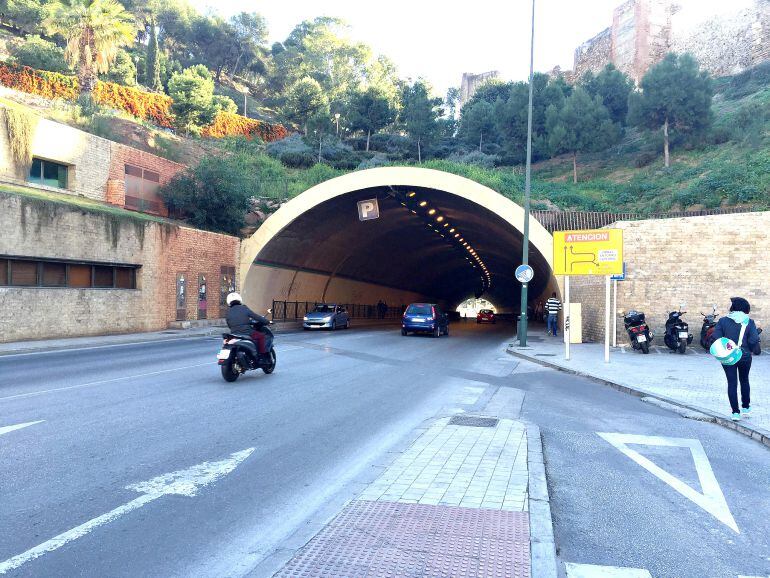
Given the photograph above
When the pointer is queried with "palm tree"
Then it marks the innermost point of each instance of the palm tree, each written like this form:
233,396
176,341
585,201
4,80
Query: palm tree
95,30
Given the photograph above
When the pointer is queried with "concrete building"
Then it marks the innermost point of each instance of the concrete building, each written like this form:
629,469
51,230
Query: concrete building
86,249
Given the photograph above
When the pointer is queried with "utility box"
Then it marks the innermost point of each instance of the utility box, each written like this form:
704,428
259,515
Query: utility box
576,323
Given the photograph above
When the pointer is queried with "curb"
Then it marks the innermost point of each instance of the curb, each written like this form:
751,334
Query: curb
759,434
542,545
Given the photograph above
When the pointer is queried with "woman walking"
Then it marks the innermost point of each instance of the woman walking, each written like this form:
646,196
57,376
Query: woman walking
743,332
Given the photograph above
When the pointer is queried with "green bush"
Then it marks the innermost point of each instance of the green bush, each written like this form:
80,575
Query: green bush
41,54
215,194
122,70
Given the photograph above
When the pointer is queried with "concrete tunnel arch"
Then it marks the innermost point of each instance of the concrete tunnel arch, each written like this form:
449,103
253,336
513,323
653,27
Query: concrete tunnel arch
314,248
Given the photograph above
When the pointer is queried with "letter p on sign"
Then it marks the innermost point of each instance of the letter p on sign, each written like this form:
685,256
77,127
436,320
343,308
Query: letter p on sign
368,210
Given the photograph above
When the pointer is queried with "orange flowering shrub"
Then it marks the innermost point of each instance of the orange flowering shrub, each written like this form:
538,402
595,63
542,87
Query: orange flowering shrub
145,105
149,106
230,124
41,83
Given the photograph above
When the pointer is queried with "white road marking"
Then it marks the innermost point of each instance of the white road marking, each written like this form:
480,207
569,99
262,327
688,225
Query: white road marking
101,382
90,347
10,428
712,499
181,483
593,571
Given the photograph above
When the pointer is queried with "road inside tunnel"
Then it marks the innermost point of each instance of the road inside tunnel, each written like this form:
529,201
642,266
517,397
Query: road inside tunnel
439,238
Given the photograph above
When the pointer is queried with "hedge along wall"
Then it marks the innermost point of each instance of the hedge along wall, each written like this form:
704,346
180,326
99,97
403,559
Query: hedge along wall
149,106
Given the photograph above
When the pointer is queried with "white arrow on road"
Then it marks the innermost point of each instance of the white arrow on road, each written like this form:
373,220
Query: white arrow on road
10,428
182,483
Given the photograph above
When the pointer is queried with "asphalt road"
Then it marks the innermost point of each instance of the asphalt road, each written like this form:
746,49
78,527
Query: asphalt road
310,436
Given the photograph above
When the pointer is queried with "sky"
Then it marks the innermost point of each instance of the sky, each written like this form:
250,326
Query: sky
439,41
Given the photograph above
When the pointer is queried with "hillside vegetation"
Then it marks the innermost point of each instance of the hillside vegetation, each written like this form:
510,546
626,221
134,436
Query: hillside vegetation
680,140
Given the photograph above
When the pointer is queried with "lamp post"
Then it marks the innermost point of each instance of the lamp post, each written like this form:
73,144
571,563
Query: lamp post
337,120
525,244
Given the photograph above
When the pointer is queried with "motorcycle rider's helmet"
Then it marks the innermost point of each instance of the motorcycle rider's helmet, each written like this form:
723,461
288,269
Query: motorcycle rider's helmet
726,351
234,299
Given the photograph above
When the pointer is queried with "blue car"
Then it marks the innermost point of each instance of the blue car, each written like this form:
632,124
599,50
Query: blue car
425,318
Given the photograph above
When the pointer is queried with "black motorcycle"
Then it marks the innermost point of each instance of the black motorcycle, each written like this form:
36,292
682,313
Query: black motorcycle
239,353
707,330
638,331
677,336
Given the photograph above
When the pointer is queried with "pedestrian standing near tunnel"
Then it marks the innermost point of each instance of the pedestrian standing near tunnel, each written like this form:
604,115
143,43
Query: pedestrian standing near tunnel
742,333
552,308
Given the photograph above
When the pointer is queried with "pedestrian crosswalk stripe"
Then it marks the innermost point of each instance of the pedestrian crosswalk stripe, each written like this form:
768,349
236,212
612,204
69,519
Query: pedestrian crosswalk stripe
594,571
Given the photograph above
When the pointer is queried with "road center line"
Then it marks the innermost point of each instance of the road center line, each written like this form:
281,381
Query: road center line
100,382
10,428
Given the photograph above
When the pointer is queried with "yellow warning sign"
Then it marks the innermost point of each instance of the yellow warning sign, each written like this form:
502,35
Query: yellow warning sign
591,252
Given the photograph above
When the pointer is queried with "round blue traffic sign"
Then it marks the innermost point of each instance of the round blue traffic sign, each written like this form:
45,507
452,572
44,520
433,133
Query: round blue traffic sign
524,273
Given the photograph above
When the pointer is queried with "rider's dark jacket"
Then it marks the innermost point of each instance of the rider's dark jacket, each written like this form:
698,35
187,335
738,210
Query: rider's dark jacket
239,318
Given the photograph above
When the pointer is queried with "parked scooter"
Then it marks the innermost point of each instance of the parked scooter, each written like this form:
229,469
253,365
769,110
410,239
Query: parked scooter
677,336
638,331
707,330
239,353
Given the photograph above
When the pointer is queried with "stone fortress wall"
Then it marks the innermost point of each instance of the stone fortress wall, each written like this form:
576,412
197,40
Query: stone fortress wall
643,31
471,82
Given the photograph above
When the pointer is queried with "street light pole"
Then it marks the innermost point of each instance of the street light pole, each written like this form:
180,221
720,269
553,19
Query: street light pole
525,244
337,120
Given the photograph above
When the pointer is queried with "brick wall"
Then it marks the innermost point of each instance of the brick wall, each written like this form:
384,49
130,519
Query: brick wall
122,155
46,230
96,166
698,261
88,157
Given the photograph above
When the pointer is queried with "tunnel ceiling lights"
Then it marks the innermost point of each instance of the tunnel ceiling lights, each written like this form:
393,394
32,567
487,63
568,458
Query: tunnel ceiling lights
439,218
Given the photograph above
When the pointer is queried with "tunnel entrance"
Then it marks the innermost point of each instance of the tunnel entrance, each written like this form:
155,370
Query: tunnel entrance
471,306
439,238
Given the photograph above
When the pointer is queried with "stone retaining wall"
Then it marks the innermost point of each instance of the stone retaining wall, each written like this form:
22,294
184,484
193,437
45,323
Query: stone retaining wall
697,261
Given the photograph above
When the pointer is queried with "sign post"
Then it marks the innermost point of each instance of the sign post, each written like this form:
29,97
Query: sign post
615,279
615,313
524,274
567,338
596,252
607,324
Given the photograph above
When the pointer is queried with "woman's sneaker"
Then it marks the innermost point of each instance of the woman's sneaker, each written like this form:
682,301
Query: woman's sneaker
746,411
736,417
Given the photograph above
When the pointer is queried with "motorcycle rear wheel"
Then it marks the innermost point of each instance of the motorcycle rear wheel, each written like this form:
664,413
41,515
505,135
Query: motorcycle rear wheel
645,347
268,369
228,372
682,345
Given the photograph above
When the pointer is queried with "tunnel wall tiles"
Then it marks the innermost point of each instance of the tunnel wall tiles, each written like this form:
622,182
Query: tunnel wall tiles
698,261
266,283
46,230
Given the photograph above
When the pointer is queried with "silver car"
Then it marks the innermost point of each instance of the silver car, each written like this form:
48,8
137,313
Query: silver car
326,316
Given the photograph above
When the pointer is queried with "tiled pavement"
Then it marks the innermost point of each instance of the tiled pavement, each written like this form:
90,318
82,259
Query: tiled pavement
695,379
453,504
451,465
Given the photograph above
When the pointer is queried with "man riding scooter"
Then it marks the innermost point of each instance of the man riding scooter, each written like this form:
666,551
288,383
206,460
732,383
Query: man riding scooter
240,319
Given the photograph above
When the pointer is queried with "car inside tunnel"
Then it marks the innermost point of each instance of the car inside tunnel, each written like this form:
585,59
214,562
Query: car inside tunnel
427,244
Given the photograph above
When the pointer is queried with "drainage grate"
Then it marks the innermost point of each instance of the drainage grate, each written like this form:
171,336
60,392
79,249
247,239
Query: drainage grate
545,355
472,421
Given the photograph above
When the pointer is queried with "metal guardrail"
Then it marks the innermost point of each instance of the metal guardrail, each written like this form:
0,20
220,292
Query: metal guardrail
296,310
576,220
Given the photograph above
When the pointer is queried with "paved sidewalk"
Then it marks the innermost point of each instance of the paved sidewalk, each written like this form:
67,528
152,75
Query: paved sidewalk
455,503
695,379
